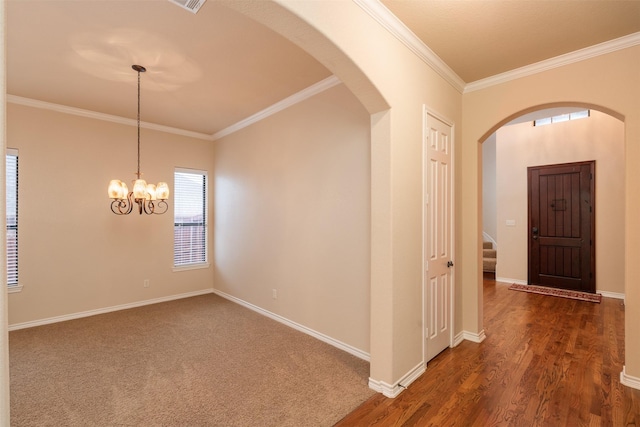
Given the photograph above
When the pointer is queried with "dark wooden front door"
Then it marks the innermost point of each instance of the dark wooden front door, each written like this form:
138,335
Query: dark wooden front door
562,226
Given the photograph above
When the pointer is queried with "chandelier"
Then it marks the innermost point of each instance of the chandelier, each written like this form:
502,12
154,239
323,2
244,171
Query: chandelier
150,198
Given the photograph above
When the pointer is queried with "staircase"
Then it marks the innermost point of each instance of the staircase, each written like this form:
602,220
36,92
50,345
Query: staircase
489,258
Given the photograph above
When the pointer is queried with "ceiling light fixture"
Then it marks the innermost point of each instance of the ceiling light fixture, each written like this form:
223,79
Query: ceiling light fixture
151,199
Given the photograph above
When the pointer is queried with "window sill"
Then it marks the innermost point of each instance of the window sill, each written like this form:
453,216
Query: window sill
197,266
14,289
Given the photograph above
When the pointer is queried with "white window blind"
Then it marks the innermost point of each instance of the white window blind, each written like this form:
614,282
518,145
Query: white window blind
12,217
190,217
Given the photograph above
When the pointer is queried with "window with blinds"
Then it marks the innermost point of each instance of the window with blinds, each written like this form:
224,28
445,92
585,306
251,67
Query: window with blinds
12,217
190,218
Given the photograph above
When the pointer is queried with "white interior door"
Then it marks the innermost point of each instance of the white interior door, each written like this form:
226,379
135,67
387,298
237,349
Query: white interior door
437,236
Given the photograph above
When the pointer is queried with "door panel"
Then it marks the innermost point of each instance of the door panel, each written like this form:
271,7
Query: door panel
562,226
437,236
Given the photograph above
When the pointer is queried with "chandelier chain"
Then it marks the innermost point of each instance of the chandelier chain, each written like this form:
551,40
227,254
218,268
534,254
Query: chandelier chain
138,123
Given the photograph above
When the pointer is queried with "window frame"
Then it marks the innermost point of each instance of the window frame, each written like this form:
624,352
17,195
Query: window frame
13,287
201,263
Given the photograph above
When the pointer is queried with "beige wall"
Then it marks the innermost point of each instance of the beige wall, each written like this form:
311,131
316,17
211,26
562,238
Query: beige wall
393,84
75,255
612,83
600,138
489,202
293,214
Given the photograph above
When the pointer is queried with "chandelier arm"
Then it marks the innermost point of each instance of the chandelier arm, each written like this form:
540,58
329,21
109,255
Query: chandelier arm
148,206
122,206
163,207
116,207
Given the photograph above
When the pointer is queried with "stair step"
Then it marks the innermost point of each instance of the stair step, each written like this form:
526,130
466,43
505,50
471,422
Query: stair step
489,256
489,264
489,253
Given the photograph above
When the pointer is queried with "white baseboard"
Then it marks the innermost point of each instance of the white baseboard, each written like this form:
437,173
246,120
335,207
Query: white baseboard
104,310
322,337
628,380
608,294
469,336
394,390
510,281
458,339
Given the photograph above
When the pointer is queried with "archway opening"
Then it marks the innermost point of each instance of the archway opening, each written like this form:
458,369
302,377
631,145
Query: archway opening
514,144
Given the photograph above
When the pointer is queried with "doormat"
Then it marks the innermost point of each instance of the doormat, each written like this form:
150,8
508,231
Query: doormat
582,296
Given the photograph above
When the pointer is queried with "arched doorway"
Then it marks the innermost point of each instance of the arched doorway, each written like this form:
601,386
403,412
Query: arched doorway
518,145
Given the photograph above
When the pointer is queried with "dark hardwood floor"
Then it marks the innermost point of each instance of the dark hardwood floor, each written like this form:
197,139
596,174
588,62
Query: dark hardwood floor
546,361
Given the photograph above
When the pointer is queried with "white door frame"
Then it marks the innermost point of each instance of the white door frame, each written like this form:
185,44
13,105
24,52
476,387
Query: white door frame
426,111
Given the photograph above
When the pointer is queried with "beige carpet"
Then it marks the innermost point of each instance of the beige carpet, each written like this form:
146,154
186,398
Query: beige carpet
201,361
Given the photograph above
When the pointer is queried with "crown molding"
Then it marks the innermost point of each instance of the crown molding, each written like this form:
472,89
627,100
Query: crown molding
391,23
28,102
312,90
559,61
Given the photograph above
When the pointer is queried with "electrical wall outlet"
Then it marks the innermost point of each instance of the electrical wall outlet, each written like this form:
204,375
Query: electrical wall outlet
146,283
274,293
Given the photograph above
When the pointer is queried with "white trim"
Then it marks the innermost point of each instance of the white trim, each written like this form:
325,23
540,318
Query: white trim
318,335
12,289
195,266
34,103
559,61
391,23
312,90
104,310
394,390
628,380
510,281
615,295
458,339
470,336
192,171
487,238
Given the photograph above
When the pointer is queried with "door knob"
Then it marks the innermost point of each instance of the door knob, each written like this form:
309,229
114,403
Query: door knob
449,263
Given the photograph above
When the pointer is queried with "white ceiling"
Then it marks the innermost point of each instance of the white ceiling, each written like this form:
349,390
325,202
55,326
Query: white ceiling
213,69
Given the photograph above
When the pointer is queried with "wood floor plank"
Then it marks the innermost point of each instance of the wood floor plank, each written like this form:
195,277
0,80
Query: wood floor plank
547,361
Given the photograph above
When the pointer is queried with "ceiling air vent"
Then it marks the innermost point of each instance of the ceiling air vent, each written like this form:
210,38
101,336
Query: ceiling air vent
191,5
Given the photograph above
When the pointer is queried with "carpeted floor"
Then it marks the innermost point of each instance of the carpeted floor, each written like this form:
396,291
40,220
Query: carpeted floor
201,361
